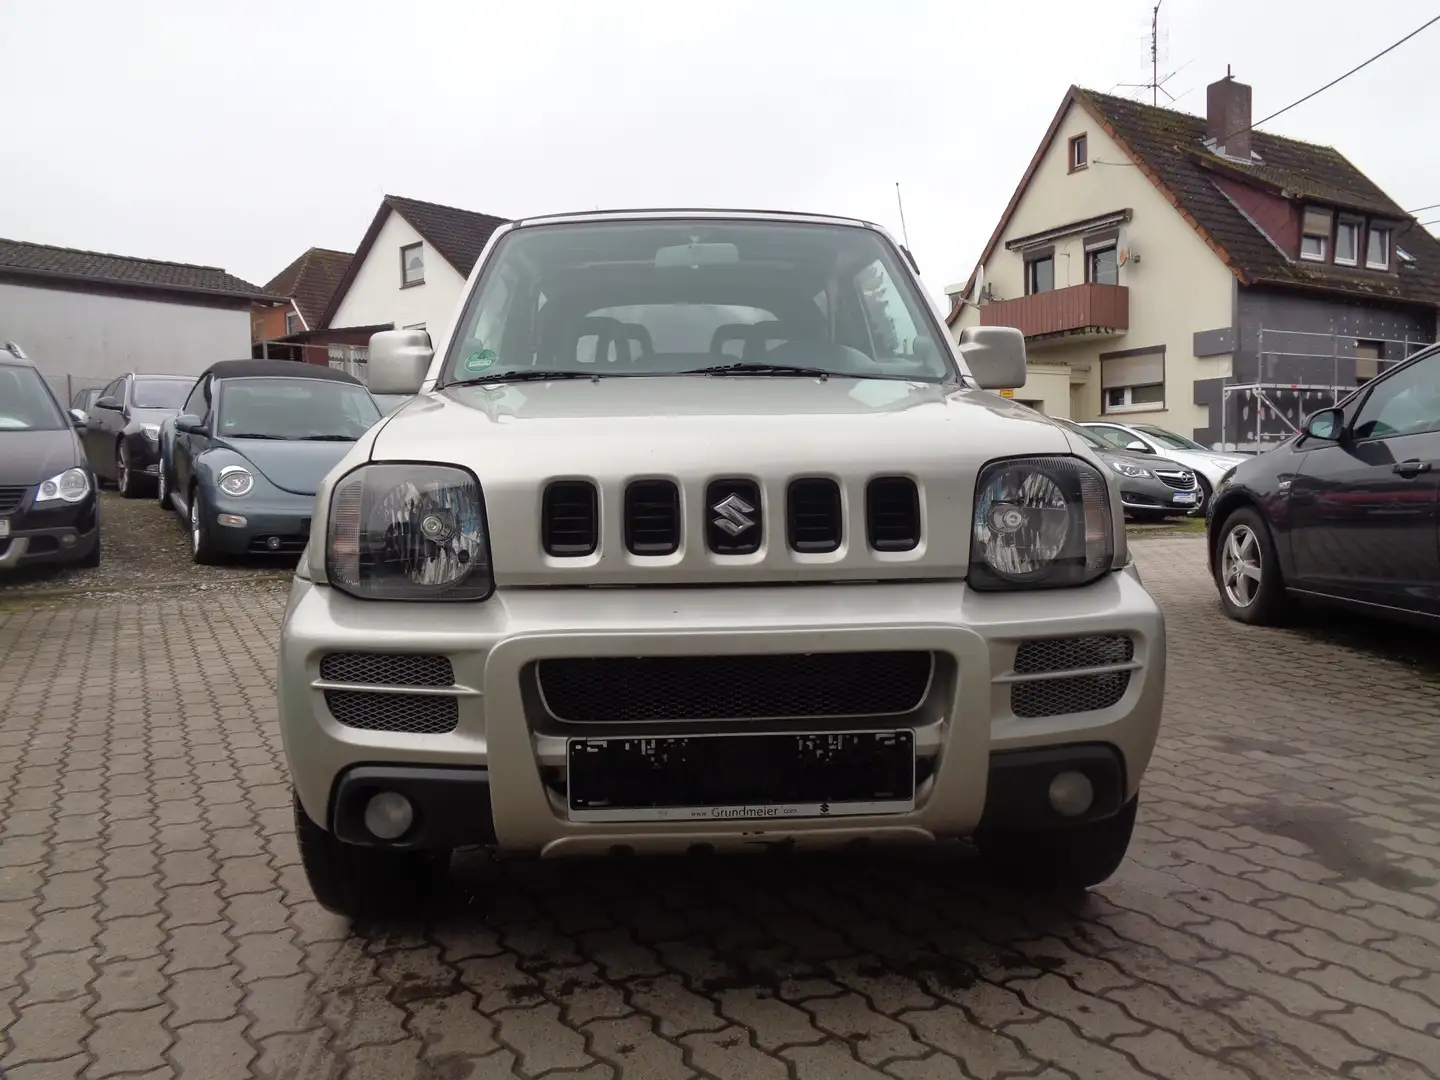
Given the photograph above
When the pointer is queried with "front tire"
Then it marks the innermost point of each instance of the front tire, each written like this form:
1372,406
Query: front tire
125,482
1247,570
202,548
162,486
365,883
1060,860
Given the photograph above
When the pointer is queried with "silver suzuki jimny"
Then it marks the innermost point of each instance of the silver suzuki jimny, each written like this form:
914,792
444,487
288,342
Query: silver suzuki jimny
700,532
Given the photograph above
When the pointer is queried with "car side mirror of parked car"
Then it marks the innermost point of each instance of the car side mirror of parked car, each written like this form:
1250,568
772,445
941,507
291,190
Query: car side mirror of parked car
77,417
107,402
1138,447
398,362
995,356
1326,424
189,423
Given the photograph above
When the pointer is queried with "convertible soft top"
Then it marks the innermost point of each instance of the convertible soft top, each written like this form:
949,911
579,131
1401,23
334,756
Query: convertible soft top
287,369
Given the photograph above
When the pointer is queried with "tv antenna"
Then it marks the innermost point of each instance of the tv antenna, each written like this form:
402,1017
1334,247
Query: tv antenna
1156,85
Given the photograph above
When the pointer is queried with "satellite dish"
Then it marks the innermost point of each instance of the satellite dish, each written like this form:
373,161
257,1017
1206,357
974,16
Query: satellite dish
978,289
1124,253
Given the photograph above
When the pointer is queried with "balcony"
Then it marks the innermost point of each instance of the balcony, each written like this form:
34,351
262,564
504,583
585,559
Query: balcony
1080,309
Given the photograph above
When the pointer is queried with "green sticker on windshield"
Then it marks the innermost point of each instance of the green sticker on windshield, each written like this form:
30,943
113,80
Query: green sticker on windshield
481,361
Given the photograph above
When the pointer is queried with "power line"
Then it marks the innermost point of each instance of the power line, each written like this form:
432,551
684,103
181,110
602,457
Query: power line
1432,206
1423,224
1332,82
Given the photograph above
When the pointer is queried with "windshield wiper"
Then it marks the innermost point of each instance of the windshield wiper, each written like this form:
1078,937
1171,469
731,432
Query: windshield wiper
327,438
527,375
251,435
759,369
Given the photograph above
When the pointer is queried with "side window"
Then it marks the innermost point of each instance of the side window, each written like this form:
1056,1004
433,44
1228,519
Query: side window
891,329
116,390
1407,403
198,403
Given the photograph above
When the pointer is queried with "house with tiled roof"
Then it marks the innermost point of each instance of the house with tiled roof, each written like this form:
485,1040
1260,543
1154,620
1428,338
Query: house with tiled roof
86,316
1191,273
309,282
410,268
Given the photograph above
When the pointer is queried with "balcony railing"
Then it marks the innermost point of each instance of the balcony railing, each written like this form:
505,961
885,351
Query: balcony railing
1095,309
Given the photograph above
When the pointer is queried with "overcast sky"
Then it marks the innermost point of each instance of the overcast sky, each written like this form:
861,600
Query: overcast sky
240,134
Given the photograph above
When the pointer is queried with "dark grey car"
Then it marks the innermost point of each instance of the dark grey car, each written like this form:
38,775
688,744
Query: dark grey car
1150,487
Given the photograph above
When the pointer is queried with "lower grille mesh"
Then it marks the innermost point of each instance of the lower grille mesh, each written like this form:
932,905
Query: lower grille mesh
627,689
1081,693
387,669
1065,654
409,714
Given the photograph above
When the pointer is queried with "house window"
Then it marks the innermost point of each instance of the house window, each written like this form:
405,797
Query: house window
1101,266
1079,153
412,265
1040,274
292,323
1315,235
1133,381
1347,242
1377,249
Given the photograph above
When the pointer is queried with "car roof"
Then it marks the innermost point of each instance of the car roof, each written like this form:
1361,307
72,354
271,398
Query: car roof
661,213
277,369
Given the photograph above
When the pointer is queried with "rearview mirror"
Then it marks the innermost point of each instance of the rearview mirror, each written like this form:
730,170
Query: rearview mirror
995,356
1139,447
77,417
1326,424
189,423
107,402
399,361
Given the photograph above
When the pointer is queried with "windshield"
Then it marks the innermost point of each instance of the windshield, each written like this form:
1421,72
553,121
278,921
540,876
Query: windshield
284,408
161,393
1170,439
1086,437
25,402
673,297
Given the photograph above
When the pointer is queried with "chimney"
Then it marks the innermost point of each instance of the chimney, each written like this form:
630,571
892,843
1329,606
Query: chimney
1227,117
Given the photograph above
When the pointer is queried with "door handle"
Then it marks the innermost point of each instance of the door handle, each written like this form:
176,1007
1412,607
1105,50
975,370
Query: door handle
1413,467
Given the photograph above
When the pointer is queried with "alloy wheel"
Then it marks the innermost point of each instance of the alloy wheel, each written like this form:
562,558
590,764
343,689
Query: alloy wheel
122,466
195,522
1240,566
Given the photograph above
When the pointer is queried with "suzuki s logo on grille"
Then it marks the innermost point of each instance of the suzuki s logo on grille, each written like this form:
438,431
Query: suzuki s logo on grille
732,514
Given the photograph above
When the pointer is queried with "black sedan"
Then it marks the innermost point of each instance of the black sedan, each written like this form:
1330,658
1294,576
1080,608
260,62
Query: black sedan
48,507
122,427
246,456
1346,511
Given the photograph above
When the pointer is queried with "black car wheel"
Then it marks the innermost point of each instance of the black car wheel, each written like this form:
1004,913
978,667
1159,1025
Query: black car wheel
124,478
162,487
360,882
92,560
1247,572
1063,859
202,550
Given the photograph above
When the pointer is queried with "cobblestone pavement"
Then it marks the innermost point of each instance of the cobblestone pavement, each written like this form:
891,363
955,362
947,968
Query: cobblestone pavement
1277,919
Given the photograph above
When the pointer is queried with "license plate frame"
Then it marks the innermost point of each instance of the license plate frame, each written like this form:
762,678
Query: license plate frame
824,774
1185,498
4,528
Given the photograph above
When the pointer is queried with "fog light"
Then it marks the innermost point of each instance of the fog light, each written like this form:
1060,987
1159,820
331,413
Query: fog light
389,815
273,543
67,541
1071,793
234,521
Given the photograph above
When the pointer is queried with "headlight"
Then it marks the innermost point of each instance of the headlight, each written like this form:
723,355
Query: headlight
1124,468
236,480
70,486
409,532
1040,523
152,432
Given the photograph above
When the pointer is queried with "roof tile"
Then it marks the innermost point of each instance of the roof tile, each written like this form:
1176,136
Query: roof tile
22,257
311,280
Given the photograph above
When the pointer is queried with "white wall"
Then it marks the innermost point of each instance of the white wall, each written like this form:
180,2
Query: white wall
95,338
1179,286
375,295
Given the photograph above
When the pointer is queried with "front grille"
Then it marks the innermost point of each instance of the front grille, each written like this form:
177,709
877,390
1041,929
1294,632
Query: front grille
409,714
1080,693
813,522
387,669
734,519
1181,481
11,498
644,688
892,511
569,519
652,517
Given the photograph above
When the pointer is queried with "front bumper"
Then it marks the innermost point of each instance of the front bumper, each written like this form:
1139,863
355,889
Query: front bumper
143,452
50,533
273,523
497,775
1142,496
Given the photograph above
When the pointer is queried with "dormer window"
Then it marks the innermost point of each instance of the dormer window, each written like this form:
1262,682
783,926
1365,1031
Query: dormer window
1347,242
412,265
1315,235
1377,249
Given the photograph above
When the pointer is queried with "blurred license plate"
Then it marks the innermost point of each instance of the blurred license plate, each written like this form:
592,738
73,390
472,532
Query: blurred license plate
1185,497
4,527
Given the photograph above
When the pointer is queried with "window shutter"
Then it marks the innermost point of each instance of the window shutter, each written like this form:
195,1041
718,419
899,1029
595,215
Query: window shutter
1317,222
1132,371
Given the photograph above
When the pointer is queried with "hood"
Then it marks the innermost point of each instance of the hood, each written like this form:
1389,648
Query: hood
296,467
29,457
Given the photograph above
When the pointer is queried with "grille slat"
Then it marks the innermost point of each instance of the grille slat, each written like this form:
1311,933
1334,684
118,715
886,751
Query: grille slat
11,498
408,714
387,669
652,517
1181,481
569,519
892,511
772,687
814,519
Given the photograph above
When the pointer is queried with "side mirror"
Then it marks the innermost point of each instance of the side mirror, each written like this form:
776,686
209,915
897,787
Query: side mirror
107,402
77,417
995,356
190,424
399,361
1138,447
1327,424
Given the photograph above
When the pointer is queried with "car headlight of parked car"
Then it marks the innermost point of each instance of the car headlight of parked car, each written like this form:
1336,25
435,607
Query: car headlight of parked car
152,432
1124,468
236,480
1040,523
409,532
70,486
